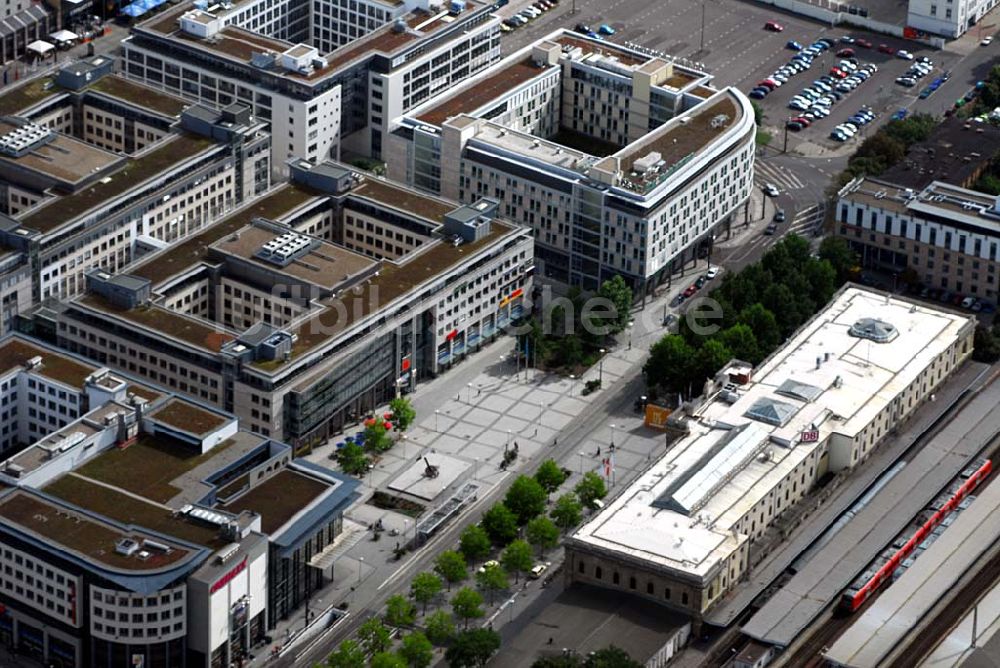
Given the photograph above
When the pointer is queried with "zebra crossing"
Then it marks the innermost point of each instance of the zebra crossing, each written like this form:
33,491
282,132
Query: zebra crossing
808,221
781,176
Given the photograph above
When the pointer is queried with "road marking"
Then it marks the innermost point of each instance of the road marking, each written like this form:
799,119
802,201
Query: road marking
782,175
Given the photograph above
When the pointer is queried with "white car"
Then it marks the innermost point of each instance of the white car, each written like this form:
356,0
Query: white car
771,190
904,54
712,272
986,40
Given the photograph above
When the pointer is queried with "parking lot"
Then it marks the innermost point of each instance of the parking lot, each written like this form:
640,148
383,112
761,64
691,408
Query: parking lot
735,47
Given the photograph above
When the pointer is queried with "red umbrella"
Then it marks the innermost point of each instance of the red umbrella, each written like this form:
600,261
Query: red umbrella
388,426
387,416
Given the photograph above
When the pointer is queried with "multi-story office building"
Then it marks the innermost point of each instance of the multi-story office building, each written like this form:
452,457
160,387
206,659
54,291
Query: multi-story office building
621,162
680,533
326,75
317,303
944,236
96,171
22,23
140,528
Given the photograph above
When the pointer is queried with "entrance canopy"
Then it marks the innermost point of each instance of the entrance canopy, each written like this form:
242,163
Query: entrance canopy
64,36
40,48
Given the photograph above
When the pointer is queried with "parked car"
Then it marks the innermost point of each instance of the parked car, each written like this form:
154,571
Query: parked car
700,283
605,29
712,273
793,45
537,571
773,26
492,563
846,39
864,43
986,41
844,53
582,28
904,54
770,229
899,115
794,126
690,290
906,81
758,93
885,48
771,190
779,216
968,302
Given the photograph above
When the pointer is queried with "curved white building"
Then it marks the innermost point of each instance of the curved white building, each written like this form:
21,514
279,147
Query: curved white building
623,163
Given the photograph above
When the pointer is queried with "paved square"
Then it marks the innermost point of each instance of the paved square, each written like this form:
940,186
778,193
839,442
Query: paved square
413,481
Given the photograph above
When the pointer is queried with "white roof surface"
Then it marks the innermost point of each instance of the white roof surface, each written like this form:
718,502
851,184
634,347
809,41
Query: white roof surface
871,375
932,576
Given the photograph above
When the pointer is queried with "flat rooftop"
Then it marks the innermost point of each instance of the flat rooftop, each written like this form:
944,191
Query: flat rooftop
137,94
898,611
181,255
678,514
955,153
133,510
151,467
962,208
15,99
327,266
407,200
84,534
279,498
481,91
680,139
64,159
188,417
170,153
15,352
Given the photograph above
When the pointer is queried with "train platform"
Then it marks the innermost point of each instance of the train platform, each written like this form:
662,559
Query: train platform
781,558
933,579
821,580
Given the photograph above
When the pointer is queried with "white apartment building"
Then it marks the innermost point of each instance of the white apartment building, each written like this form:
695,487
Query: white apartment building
947,18
621,162
326,75
109,570
680,533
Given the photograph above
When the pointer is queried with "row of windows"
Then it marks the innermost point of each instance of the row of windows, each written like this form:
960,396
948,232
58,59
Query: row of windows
633,583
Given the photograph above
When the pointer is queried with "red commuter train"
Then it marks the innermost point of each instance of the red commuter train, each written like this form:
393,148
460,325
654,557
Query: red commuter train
853,600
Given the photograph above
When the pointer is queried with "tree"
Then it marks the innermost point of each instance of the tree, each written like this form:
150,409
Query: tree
467,604
617,291
352,459
590,489
841,256
474,543
549,475
400,611
566,512
491,579
374,636
526,499
440,628
758,113
424,588
402,413
542,533
348,654
610,657
985,346
560,661
500,524
417,650
387,660
764,325
472,649
670,363
712,357
741,342
451,566
517,558
377,436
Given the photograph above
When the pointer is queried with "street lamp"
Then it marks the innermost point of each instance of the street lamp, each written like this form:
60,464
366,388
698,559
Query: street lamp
600,369
581,462
437,414
612,436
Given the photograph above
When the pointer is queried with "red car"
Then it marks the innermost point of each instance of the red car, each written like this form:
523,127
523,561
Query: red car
864,43
803,120
773,26
885,48
691,289
767,83
846,53
840,74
